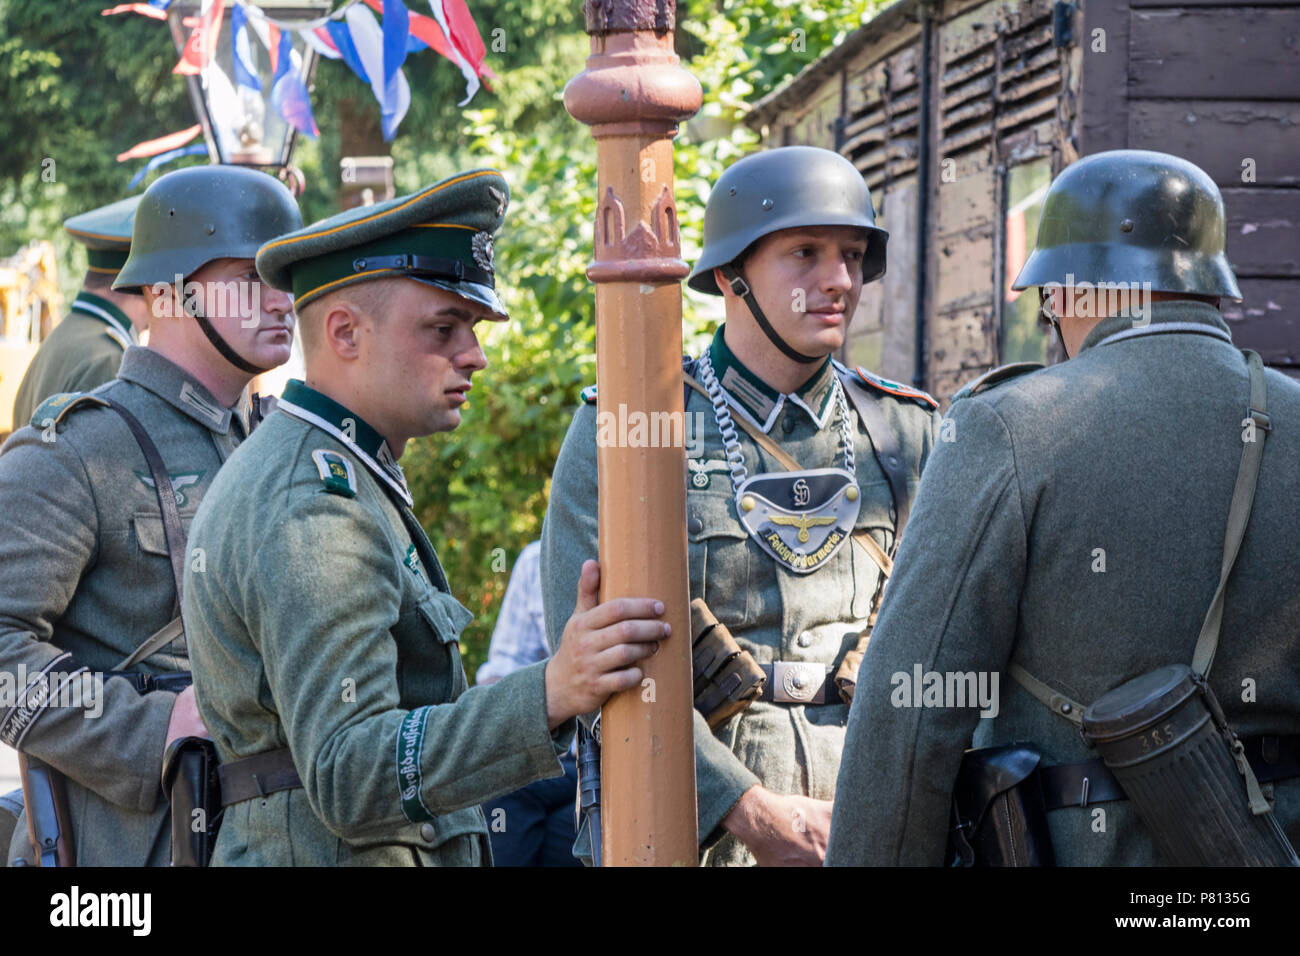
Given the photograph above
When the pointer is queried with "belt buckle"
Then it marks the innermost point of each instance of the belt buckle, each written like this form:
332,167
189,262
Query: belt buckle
796,682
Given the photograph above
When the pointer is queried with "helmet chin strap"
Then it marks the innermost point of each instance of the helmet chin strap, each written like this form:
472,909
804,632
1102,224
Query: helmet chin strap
222,346
742,289
1051,317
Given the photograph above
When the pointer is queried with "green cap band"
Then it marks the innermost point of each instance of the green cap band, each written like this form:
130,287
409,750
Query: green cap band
441,244
107,260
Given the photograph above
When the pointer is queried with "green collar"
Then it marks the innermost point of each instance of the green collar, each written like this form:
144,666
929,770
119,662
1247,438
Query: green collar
87,303
370,448
1181,315
760,401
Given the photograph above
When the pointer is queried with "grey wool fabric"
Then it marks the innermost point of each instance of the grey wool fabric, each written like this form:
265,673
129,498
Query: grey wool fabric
774,613
323,623
84,571
1075,524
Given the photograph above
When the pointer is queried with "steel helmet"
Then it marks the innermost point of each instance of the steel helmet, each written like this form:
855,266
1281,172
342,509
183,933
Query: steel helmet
1134,217
192,216
783,189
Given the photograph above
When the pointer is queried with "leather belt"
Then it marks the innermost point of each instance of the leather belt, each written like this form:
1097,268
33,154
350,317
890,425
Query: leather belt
799,682
258,776
173,681
1271,757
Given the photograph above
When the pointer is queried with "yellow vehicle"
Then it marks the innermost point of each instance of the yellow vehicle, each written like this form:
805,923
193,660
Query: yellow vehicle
29,302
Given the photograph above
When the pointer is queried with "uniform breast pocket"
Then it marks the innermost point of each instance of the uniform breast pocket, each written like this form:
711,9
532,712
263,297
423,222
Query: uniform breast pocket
149,532
428,650
720,556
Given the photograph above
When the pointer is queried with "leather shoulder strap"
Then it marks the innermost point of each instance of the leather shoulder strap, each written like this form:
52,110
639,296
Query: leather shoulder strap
884,444
173,530
1256,428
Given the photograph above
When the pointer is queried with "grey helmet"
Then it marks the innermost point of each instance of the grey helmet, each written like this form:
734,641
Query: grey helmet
1134,217
192,216
777,189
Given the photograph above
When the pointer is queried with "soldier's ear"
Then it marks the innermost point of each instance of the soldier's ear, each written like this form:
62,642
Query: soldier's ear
723,285
341,327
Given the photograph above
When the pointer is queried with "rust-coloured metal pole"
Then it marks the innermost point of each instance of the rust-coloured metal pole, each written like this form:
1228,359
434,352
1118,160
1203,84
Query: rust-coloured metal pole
633,94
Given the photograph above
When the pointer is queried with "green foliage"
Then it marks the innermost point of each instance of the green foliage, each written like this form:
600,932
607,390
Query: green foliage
81,88
78,89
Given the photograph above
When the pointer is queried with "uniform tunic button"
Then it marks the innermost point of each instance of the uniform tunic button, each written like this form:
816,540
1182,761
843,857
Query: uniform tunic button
788,425
695,526
804,639
426,832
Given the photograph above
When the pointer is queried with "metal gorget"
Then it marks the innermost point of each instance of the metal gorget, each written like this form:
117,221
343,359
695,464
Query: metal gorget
800,518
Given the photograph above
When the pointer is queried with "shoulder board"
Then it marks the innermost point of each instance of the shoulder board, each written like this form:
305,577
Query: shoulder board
335,472
898,390
589,394
117,337
995,376
54,409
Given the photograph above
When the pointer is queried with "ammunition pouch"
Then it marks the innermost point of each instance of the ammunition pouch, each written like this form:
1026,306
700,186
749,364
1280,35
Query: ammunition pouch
998,814
727,678
190,781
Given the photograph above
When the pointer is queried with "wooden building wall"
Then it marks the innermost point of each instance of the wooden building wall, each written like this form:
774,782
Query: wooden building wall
970,103
1218,84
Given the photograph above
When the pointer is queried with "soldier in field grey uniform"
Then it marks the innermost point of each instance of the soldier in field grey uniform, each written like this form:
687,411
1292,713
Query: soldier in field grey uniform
85,575
795,587
1075,527
85,349
323,629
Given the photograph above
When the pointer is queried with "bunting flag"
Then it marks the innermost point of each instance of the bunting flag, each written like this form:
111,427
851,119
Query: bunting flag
465,51
223,105
319,40
154,9
374,51
396,29
342,40
162,159
153,147
289,92
367,42
457,55
241,53
464,33
203,41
